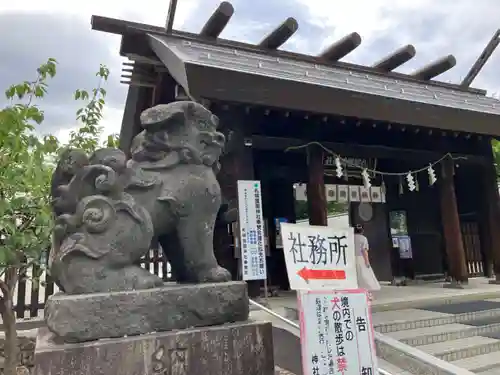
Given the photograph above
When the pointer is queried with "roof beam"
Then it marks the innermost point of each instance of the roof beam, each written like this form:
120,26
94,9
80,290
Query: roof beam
280,35
341,48
169,23
481,60
395,59
218,20
263,142
435,68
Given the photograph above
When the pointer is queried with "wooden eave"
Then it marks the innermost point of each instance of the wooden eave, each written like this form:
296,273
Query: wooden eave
237,72
131,30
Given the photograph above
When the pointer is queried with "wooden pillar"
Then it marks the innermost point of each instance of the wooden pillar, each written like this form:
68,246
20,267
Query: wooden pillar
451,224
486,224
236,164
316,194
492,213
281,204
138,99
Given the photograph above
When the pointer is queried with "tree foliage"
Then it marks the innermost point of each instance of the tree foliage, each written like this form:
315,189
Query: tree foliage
88,136
496,154
333,208
25,172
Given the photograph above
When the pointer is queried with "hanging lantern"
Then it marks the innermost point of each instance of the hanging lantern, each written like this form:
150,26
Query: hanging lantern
338,167
366,178
432,175
410,181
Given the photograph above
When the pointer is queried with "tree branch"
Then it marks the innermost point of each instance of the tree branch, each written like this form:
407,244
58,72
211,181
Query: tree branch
4,288
11,278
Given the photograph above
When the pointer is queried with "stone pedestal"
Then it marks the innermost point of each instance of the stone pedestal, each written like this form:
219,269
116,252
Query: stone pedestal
79,318
230,349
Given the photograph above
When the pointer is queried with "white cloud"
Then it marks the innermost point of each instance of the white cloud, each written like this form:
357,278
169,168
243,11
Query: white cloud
364,17
147,11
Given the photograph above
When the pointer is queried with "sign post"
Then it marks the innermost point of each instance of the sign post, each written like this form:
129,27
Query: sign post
336,333
335,320
251,225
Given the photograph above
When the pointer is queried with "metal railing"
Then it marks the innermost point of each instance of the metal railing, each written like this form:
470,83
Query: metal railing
294,325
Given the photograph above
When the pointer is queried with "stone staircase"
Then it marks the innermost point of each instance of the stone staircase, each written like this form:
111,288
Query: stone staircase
465,334
391,368
287,353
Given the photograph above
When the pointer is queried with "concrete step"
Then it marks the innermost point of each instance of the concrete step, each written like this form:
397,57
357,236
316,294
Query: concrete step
454,350
410,324
480,363
390,368
493,371
263,316
490,320
447,332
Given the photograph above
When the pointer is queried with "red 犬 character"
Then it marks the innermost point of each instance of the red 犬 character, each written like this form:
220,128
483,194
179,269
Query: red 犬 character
336,301
341,364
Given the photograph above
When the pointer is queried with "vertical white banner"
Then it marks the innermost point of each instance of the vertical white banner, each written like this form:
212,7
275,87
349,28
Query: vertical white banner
253,253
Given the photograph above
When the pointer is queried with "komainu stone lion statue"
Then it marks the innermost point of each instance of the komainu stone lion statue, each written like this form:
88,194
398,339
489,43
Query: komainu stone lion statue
109,210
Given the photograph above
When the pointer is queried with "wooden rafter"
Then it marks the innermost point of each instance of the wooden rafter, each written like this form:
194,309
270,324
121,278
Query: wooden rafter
217,21
435,68
341,48
169,24
280,35
395,59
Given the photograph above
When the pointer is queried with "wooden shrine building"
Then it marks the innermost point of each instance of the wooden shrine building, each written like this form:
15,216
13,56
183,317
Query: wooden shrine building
270,101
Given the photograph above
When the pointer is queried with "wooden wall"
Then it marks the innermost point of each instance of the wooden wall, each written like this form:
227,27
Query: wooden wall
424,224
376,231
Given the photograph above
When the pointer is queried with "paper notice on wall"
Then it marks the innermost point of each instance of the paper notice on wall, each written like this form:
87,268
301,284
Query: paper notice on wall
251,223
343,193
354,193
300,192
331,193
376,194
364,194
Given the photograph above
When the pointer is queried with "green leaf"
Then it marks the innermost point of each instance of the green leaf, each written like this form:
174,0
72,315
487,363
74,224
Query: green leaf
10,92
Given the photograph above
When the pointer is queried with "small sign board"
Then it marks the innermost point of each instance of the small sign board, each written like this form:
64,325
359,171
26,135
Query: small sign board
404,245
319,257
337,335
277,225
251,224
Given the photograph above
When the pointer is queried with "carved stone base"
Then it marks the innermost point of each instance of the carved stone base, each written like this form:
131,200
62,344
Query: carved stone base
230,349
79,318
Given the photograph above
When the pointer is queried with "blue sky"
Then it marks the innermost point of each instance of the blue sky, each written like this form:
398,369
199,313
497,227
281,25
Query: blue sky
32,31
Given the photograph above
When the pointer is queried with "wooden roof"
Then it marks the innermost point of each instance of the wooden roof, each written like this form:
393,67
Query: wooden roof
212,68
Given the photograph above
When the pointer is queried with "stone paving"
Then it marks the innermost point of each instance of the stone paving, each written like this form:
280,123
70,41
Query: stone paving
397,297
392,305
469,338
